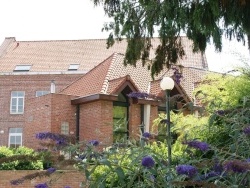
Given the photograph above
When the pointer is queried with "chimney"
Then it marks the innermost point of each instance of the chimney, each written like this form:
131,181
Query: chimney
4,46
52,86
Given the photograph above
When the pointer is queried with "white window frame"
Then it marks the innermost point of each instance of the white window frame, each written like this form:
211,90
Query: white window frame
41,93
17,102
15,133
74,67
22,68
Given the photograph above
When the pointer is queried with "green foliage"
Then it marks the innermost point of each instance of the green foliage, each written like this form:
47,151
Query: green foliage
21,158
121,167
139,20
6,152
210,151
223,91
185,128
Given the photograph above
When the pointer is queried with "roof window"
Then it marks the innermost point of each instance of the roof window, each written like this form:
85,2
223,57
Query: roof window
73,67
22,68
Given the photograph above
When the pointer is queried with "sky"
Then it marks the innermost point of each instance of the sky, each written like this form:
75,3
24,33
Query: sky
32,20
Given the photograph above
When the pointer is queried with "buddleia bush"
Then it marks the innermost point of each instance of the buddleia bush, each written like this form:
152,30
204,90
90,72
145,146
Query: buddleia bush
211,151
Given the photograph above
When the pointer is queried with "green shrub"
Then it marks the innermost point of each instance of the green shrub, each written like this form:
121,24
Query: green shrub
21,158
6,152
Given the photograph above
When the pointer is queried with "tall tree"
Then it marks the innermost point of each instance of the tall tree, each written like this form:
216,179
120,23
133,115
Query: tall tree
200,20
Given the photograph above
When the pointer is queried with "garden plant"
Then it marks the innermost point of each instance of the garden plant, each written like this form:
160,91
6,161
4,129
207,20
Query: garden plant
208,150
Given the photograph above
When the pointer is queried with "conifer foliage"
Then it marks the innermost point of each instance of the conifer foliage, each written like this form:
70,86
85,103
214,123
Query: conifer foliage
201,21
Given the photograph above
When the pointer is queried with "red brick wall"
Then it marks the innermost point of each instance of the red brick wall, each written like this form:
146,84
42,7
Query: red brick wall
37,119
63,111
45,114
134,120
153,116
71,178
96,121
30,84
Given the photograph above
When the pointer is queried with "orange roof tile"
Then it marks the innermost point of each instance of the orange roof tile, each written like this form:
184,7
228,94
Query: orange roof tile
115,84
101,78
92,82
57,55
108,76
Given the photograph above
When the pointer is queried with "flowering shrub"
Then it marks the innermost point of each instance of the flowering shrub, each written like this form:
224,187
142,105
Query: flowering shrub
148,162
94,142
210,151
42,185
203,146
188,170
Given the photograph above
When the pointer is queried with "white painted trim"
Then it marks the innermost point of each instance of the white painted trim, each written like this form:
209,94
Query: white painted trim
146,117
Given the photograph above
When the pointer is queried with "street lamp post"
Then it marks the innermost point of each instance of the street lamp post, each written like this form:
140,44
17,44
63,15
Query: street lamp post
167,84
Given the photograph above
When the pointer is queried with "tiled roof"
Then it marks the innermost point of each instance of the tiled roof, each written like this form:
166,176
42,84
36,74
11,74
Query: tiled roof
115,84
101,78
190,76
92,82
51,56
109,75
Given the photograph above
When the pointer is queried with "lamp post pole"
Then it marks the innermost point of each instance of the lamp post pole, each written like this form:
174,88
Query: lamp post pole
167,84
168,126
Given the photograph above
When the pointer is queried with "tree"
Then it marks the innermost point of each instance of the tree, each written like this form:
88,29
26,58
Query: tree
201,20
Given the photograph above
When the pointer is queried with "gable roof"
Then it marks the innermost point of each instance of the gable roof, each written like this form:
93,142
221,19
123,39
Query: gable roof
115,86
101,79
110,75
57,55
93,82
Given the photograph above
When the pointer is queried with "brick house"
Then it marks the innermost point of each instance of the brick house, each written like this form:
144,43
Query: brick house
80,87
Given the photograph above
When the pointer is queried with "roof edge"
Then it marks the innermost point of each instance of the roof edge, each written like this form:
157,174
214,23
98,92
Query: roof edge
92,98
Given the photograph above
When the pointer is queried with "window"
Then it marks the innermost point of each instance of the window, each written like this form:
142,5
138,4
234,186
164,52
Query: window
22,68
65,128
73,67
15,137
121,117
40,93
65,131
120,124
17,102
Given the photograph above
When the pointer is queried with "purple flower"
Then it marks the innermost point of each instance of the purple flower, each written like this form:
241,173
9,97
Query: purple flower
236,166
210,175
60,142
218,168
67,186
94,142
220,112
59,139
146,135
148,162
42,136
203,146
246,130
51,170
17,182
41,185
138,95
188,170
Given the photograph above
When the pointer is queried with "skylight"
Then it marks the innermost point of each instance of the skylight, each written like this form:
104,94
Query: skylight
73,67
22,68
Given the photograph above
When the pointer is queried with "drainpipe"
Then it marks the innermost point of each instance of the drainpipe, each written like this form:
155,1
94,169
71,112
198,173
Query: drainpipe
146,117
142,126
52,86
77,122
